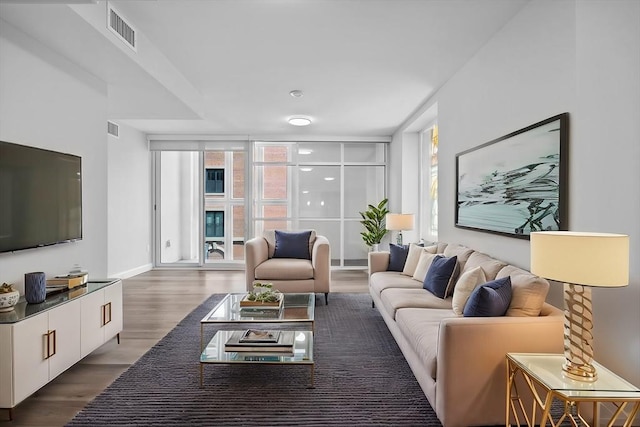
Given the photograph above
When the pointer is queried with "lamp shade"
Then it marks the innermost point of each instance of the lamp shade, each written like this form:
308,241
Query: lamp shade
399,222
591,259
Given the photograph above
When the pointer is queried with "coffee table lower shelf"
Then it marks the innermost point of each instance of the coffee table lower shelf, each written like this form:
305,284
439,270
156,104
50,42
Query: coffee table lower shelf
214,353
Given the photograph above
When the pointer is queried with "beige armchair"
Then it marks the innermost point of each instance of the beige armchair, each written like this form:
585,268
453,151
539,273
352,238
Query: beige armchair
289,275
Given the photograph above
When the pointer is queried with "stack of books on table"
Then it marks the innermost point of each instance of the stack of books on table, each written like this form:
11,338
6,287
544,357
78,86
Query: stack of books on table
256,341
70,280
260,309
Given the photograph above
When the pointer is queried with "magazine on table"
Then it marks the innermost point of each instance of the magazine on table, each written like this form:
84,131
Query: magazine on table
260,336
284,343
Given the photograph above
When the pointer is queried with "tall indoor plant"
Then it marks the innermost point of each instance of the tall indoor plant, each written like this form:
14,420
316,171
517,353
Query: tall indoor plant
373,220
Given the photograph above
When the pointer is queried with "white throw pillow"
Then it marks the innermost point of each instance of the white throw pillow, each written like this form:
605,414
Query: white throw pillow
413,256
465,286
426,258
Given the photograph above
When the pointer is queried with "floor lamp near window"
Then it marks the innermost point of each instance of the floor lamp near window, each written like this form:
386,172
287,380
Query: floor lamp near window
580,261
399,222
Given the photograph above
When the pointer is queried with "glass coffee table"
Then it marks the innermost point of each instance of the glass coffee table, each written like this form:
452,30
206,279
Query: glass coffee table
296,314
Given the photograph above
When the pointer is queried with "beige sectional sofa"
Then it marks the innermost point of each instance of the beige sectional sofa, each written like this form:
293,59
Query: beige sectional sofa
460,361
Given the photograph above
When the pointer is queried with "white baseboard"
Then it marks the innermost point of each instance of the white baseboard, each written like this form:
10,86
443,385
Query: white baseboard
133,272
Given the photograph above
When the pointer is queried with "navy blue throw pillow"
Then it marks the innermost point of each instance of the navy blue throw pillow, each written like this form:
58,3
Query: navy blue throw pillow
441,276
397,257
291,244
489,300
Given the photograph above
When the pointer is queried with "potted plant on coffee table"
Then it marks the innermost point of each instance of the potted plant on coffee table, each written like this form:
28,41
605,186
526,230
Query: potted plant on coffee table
373,220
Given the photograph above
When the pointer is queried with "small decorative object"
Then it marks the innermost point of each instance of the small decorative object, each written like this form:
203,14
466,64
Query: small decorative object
8,297
35,287
373,220
264,295
580,261
399,222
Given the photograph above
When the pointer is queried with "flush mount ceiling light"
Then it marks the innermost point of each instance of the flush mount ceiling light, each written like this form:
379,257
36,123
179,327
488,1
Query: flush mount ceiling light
300,121
305,151
329,178
306,169
296,93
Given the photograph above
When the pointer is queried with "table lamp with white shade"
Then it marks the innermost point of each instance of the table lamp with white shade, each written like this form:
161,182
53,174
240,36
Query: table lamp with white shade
580,261
399,222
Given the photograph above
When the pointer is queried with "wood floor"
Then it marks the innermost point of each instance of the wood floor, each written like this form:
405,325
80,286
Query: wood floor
154,302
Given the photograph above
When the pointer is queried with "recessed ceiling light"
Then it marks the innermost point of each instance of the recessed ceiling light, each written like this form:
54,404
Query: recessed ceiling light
305,151
329,178
300,121
305,191
306,169
296,93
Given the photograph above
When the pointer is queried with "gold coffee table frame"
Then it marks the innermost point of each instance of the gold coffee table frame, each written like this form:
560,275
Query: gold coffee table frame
297,314
542,374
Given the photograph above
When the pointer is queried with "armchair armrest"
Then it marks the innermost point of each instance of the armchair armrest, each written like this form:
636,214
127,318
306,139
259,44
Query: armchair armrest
378,261
321,262
255,253
472,353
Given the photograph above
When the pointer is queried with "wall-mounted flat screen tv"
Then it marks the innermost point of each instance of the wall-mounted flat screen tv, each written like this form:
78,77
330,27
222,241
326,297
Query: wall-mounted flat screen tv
40,197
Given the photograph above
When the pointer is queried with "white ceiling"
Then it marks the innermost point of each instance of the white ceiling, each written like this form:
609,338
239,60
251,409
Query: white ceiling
227,66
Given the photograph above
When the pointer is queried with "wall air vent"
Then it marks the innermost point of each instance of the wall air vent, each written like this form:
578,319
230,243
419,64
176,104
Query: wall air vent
121,28
113,129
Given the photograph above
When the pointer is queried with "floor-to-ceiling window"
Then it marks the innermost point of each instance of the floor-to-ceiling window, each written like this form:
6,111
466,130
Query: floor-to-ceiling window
320,186
429,184
209,201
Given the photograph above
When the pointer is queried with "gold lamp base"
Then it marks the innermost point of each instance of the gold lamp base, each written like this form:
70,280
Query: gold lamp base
578,338
586,373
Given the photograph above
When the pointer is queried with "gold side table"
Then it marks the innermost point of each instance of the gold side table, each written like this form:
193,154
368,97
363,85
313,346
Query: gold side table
542,374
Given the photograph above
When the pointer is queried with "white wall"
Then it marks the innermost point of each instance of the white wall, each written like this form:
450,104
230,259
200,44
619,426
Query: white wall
605,178
47,102
129,204
582,57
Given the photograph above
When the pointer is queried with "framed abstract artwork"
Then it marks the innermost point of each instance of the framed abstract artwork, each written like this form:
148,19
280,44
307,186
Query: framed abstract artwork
517,183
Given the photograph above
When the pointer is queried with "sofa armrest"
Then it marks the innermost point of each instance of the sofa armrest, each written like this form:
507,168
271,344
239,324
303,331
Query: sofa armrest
378,261
321,262
255,253
471,358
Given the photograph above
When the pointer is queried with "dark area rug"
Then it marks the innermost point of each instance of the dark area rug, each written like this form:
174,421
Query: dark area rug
361,378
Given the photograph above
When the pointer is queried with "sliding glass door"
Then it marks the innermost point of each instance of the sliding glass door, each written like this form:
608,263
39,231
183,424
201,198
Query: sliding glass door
199,208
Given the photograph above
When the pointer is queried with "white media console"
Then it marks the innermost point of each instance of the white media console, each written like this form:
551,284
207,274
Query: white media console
40,341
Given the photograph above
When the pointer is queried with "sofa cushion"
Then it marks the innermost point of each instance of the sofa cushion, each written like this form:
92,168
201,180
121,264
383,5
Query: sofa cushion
390,279
397,257
529,291
421,328
461,252
426,258
489,265
489,300
270,237
465,285
397,298
442,276
415,250
284,269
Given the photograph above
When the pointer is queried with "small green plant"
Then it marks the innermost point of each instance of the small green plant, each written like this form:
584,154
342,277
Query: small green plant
373,220
264,292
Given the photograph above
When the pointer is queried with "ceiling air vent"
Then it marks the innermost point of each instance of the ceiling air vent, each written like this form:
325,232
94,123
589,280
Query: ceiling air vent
113,129
121,28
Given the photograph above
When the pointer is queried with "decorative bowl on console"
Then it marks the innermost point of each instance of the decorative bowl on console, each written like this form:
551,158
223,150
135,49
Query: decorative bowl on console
8,297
